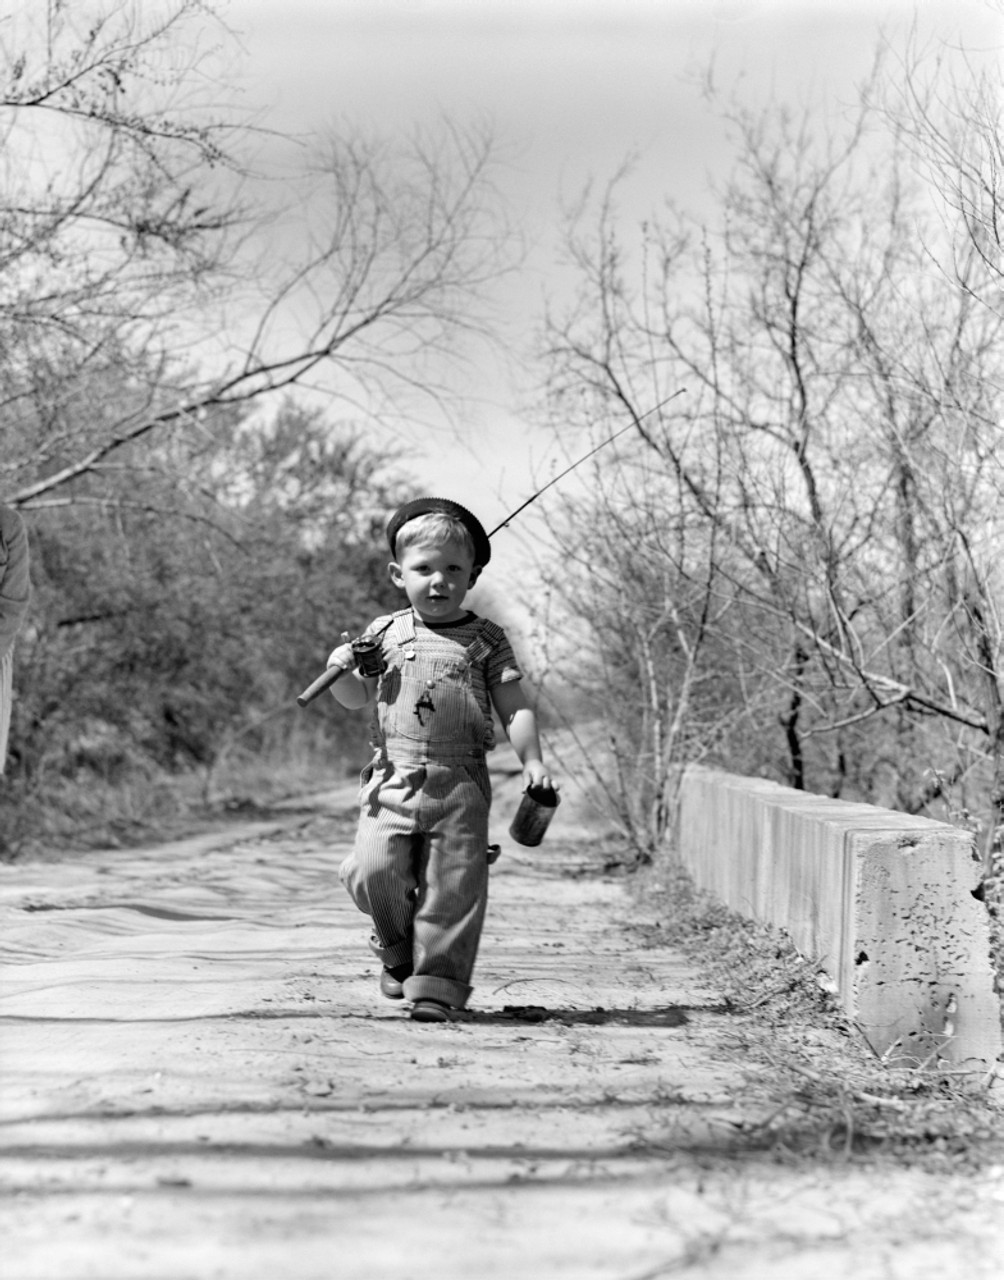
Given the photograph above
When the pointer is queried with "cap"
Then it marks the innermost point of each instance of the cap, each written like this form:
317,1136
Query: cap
425,506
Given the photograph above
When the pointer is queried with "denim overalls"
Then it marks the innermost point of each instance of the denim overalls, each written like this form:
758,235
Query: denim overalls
419,867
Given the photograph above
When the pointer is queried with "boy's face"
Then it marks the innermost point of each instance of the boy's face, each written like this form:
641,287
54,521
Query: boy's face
436,579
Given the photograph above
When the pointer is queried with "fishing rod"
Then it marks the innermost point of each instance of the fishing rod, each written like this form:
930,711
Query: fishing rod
366,649
585,458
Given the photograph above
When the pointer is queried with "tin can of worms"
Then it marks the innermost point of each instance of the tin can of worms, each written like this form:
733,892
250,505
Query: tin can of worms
533,817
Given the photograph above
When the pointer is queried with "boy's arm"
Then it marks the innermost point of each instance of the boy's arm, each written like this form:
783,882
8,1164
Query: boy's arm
520,722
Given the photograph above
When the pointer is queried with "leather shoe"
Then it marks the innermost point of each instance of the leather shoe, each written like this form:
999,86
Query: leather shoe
392,982
430,1011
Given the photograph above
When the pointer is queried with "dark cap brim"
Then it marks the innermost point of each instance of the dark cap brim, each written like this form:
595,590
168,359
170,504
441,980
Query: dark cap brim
425,506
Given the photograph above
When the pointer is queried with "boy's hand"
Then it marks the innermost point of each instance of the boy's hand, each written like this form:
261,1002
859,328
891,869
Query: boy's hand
535,775
342,657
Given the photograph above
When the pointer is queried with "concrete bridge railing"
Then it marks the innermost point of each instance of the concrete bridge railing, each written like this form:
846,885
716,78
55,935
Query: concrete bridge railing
886,903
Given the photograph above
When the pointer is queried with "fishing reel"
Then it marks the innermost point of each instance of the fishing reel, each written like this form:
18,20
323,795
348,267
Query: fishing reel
368,654
368,660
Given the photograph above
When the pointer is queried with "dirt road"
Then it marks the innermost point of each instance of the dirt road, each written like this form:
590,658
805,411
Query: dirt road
200,1080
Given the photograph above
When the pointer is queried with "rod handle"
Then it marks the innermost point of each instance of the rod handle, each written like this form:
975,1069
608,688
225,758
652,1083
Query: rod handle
322,682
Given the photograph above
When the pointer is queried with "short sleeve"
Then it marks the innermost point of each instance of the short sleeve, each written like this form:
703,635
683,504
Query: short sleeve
501,666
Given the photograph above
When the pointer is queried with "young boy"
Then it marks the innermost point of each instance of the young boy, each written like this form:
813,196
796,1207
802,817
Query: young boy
419,867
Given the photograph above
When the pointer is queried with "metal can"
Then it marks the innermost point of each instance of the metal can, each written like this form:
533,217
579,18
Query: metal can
536,809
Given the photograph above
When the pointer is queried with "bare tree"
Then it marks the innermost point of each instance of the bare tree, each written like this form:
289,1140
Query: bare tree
839,445
167,268
636,602
947,103
136,250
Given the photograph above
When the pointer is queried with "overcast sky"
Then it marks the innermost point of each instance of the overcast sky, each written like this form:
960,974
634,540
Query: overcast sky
572,87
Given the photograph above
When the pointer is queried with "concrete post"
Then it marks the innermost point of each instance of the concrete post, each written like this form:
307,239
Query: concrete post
885,902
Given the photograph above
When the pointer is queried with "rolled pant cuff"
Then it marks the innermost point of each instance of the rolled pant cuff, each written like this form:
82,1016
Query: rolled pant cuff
391,957
445,990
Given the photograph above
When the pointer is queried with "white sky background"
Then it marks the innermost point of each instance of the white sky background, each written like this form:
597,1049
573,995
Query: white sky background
572,88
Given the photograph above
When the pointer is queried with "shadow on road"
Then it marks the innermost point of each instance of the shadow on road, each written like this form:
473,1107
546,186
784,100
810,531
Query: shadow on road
669,1017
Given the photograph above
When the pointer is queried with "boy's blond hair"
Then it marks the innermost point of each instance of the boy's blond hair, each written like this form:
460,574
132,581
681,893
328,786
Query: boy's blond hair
434,529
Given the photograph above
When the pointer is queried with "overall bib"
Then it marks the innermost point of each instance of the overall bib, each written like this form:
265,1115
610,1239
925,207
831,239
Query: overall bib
419,867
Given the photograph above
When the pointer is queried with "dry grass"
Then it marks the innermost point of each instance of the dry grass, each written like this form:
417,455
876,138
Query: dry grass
144,806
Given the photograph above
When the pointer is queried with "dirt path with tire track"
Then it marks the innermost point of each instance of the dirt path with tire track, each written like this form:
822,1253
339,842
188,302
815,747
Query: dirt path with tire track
200,1081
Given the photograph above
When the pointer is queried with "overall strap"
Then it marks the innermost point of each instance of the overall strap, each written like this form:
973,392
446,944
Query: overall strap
402,630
